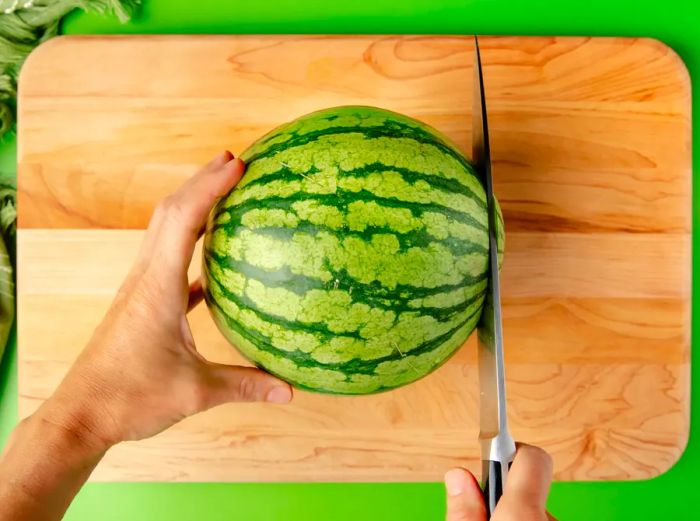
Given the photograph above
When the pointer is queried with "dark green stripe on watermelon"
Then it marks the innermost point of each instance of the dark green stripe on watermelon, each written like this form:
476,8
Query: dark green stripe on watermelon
372,295
419,239
356,366
342,198
439,183
389,129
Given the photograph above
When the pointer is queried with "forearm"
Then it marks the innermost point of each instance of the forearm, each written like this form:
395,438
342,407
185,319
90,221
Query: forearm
43,467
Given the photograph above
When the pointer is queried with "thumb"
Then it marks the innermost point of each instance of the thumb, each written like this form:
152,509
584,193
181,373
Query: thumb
229,383
528,482
464,499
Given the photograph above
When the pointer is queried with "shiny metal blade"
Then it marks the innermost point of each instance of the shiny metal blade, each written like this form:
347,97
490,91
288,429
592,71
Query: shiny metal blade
496,442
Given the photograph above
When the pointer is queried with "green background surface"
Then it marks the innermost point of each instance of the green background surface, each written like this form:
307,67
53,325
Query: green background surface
673,495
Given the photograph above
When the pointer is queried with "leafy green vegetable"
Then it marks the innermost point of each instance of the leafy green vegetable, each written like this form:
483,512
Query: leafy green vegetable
8,232
24,24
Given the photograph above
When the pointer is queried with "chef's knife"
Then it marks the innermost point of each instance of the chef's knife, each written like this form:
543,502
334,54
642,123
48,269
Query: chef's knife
497,446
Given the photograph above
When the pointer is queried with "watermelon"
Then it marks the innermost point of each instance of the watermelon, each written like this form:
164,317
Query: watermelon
352,257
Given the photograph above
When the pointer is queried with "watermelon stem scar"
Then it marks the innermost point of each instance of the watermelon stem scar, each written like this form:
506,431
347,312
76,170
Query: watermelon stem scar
352,257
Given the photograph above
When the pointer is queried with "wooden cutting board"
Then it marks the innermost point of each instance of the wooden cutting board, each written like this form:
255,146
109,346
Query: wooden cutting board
591,146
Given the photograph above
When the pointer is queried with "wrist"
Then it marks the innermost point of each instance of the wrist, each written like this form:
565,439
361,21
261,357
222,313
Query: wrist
46,460
74,424
64,434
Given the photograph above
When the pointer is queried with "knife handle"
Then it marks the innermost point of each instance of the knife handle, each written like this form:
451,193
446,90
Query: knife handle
494,473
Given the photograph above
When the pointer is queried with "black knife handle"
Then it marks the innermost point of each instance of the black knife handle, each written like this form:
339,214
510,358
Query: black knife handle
494,480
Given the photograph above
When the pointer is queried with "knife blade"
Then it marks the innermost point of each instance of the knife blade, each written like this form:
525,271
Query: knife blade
497,445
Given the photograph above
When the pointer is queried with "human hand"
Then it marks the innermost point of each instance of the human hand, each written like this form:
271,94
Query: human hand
141,372
524,497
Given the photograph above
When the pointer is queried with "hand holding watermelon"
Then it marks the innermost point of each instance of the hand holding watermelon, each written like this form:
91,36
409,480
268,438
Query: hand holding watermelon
140,373
143,352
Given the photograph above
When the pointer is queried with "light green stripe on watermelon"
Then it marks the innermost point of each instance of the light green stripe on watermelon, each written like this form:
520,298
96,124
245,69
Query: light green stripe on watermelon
452,298
371,293
415,160
339,365
322,312
387,189
312,130
342,198
290,295
376,261
391,185
357,216
324,176
362,219
284,173
363,317
397,342
323,120
339,380
281,337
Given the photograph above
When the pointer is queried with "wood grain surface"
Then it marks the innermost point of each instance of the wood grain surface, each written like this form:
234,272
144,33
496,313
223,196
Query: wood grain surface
591,148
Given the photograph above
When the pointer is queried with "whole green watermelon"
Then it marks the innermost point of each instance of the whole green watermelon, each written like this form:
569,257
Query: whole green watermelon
352,257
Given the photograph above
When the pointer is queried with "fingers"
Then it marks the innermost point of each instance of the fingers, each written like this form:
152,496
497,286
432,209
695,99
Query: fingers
225,383
220,160
530,476
179,219
196,294
465,501
528,484
189,206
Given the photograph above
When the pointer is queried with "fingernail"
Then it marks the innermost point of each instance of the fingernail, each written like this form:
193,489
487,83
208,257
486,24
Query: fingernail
454,482
233,164
222,157
279,395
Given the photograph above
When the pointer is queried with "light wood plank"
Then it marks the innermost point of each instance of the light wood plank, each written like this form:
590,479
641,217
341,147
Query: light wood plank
75,273
570,143
601,421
